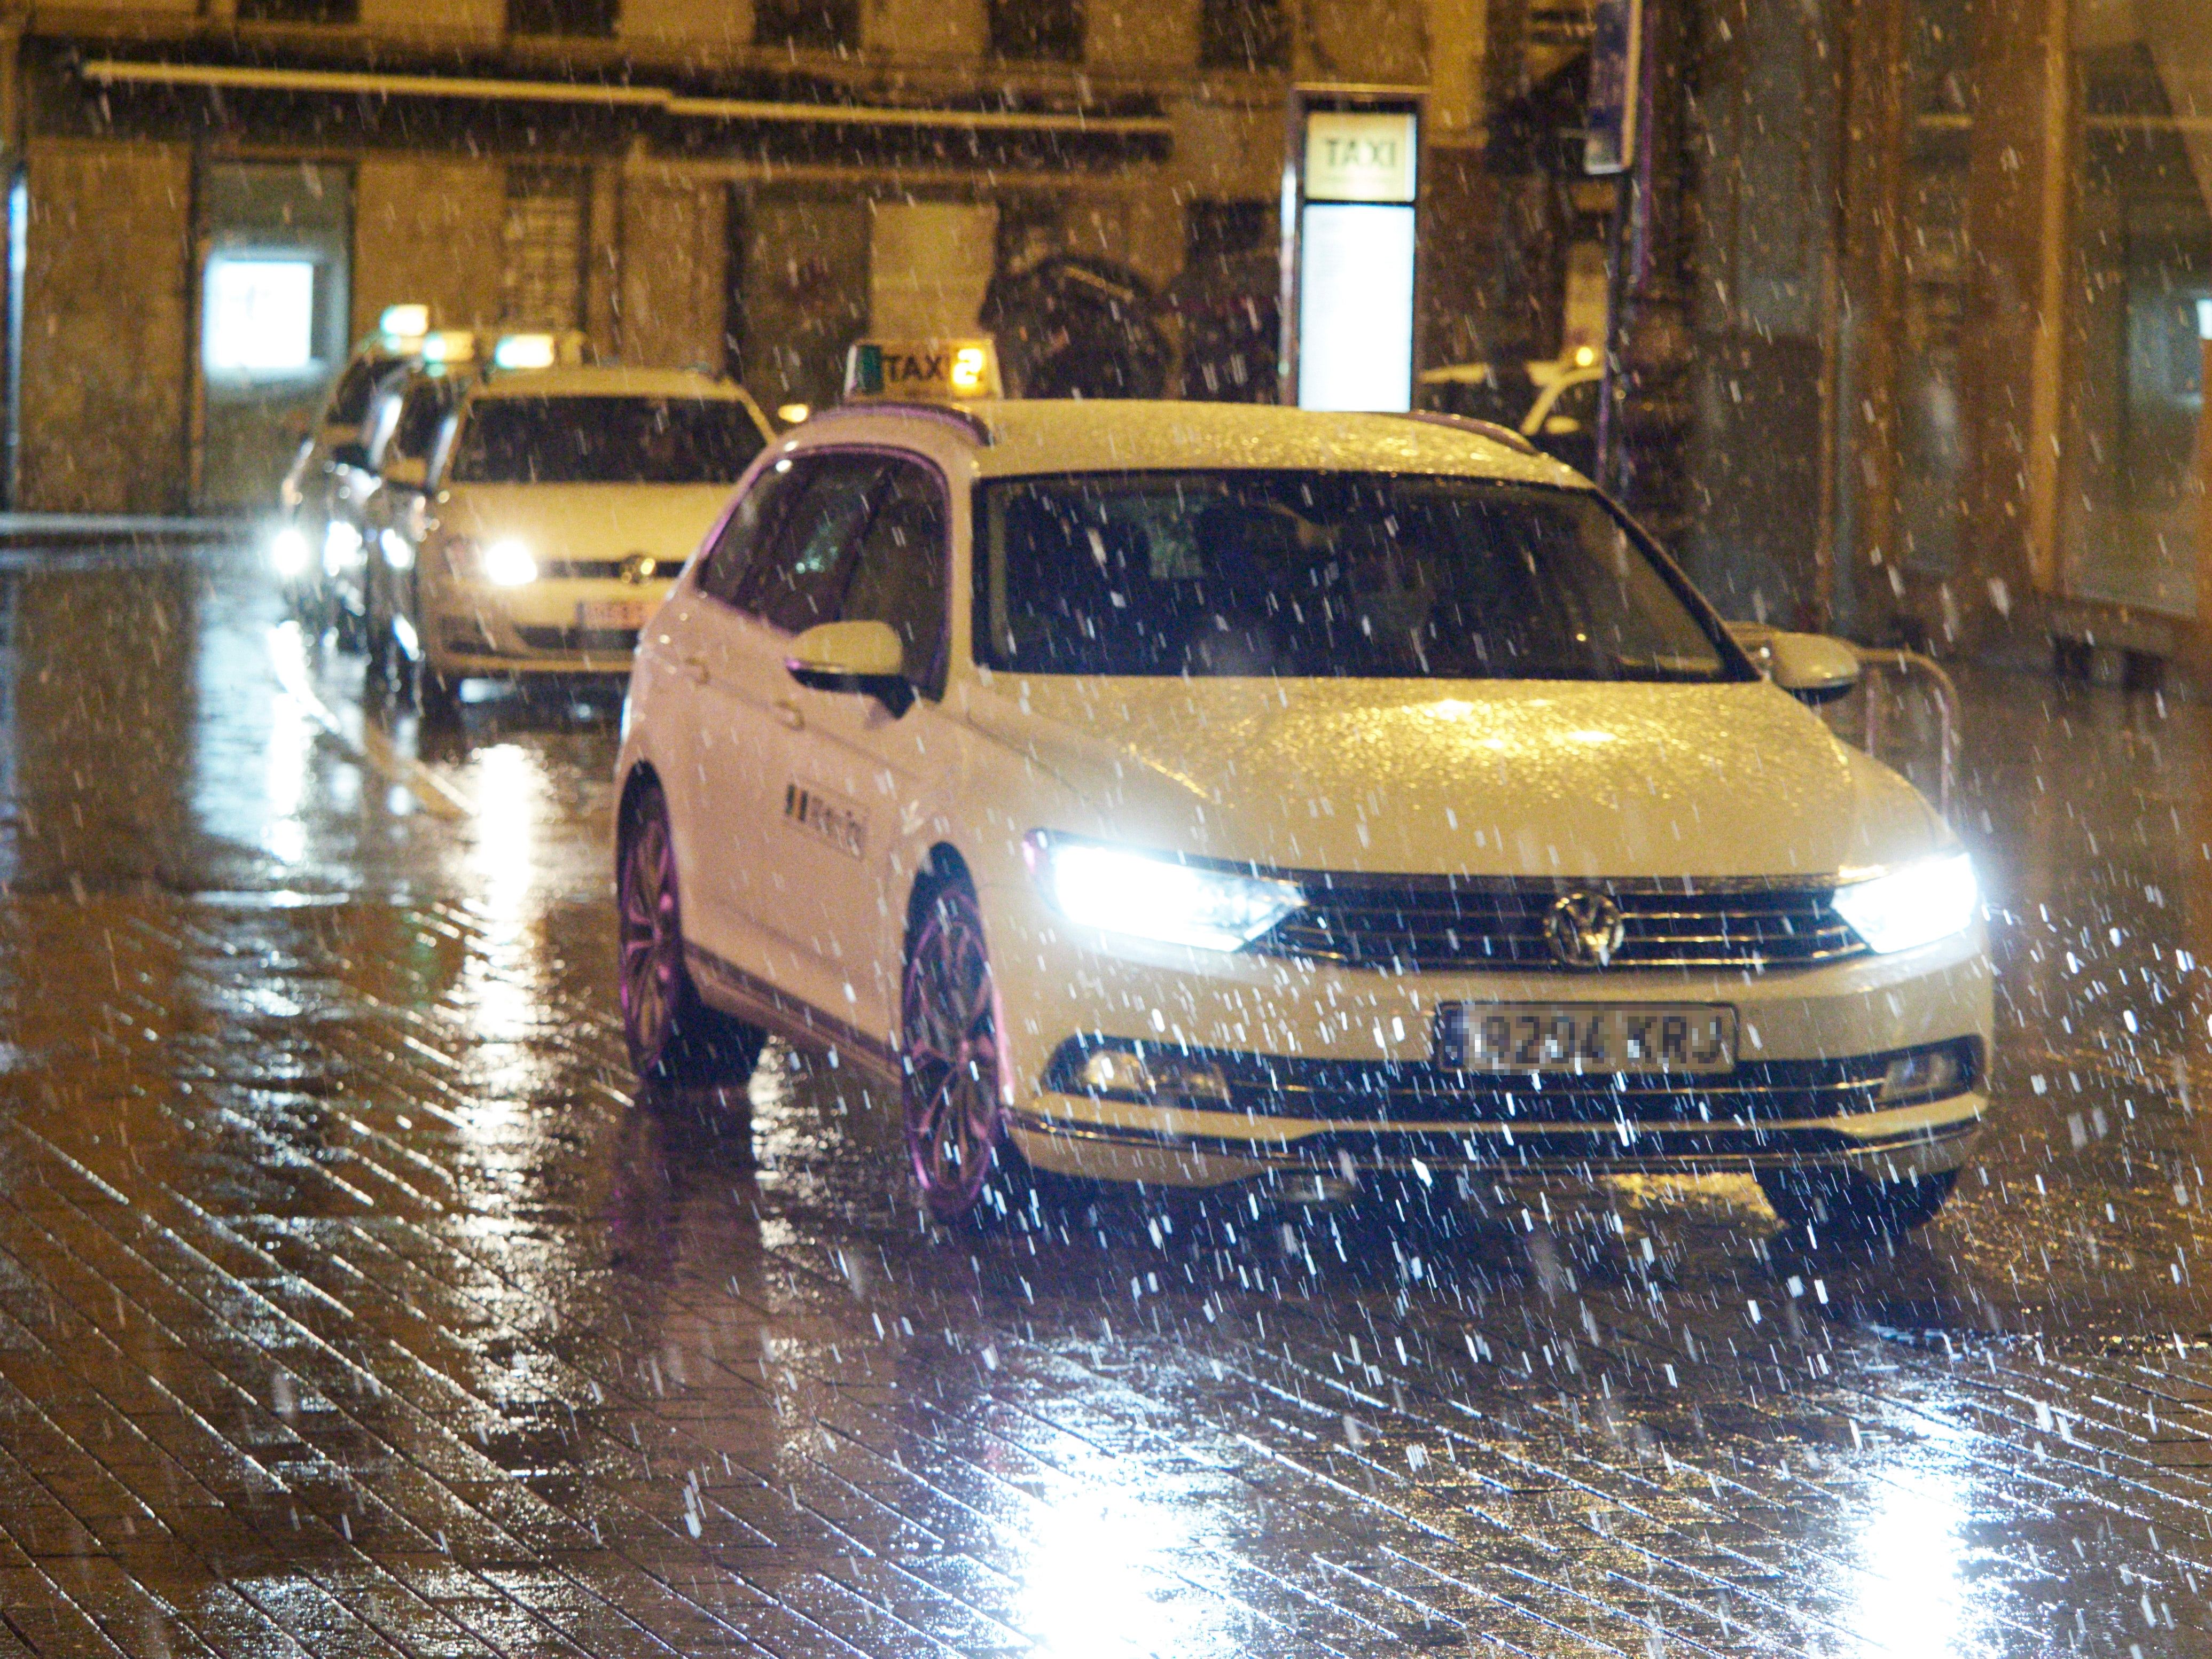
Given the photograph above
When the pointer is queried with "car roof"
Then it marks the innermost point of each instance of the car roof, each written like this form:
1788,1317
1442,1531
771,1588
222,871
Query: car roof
1022,436
605,380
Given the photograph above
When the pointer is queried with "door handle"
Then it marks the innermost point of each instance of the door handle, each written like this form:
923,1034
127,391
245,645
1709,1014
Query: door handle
694,667
788,712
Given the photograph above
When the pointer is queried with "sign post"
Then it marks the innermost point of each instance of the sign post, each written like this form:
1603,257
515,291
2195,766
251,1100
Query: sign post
1351,195
1609,146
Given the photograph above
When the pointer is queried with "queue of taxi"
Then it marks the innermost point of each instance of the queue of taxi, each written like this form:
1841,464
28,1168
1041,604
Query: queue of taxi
1202,793
503,508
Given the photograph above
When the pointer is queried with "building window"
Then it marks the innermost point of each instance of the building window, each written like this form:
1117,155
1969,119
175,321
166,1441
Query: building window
816,24
541,285
299,11
1243,34
588,17
1045,31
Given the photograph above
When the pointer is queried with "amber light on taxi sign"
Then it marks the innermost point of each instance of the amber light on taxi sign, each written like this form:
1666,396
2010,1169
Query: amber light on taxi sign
922,370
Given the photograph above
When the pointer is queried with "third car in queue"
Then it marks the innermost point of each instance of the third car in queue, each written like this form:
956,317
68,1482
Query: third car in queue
1203,793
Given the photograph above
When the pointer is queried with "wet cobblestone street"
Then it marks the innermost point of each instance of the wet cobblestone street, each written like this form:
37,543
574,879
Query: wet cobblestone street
350,1302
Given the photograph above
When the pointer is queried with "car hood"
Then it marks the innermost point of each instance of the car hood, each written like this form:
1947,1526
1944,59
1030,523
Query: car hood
589,521
1528,779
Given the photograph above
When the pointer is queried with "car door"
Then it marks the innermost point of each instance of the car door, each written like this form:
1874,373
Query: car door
852,768
771,575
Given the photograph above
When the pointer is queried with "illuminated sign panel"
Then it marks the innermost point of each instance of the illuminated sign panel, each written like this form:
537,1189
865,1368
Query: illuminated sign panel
261,318
1358,156
1356,307
1355,161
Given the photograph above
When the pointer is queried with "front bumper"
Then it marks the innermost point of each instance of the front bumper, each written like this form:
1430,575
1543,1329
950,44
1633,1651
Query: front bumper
1179,1147
534,629
1331,1069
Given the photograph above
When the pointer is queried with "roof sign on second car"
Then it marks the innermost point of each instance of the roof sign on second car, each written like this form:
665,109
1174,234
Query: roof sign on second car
403,323
925,371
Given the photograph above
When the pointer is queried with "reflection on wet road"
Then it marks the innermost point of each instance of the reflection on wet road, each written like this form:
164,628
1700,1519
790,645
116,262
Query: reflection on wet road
349,1303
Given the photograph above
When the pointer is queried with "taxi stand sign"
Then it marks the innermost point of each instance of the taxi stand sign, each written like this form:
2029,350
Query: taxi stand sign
1352,184
922,370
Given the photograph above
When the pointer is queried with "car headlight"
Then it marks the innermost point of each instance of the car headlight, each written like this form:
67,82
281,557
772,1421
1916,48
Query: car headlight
289,551
399,551
1155,896
508,564
1914,906
342,548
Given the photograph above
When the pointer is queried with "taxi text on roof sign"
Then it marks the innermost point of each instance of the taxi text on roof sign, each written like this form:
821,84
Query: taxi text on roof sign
931,371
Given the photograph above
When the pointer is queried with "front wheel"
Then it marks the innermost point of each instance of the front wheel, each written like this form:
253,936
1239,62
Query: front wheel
1850,1205
672,1036
953,1107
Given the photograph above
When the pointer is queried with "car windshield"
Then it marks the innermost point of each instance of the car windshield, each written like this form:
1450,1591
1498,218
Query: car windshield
1326,574
601,438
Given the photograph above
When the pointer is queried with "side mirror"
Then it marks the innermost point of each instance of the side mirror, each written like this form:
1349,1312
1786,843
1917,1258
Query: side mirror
1811,667
351,454
862,657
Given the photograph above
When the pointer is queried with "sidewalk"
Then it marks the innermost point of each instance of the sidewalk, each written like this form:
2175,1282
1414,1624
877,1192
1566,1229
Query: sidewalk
78,529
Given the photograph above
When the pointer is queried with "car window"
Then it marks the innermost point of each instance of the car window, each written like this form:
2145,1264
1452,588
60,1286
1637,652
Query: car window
383,420
349,398
606,438
421,414
798,581
1330,575
722,574
898,568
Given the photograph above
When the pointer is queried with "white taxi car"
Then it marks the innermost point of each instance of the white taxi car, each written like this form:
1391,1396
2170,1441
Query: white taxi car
557,509
1201,793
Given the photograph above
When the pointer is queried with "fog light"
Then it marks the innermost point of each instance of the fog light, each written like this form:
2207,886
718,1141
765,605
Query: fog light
1116,1071
1197,1081
1931,1071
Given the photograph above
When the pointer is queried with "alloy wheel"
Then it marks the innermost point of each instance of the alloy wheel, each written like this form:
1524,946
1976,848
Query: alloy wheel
949,1024
651,940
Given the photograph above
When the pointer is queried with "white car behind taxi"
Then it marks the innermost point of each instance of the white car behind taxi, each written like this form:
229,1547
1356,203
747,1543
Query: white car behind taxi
555,513
1205,793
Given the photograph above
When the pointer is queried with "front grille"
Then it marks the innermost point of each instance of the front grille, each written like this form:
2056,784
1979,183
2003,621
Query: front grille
1422,1091
1413,922
608,641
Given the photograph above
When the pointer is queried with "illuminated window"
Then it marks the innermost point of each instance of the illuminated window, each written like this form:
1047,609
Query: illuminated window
260,317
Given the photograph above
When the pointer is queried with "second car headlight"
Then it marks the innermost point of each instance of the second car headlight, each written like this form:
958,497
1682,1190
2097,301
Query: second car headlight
1913,906
507,563
1155,896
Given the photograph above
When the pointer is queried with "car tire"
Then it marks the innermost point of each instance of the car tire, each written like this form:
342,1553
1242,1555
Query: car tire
437,697
1846,1204
673,1038
964,1165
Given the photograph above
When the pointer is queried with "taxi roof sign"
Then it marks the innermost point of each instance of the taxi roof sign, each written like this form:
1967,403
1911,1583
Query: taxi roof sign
561,349
923,371
449,345
404,322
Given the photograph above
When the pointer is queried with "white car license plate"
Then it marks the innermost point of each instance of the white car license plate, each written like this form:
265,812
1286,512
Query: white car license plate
1696,1038
611,613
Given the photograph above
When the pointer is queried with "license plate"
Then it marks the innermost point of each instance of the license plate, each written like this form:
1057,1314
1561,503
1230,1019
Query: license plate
1695,1038
612,613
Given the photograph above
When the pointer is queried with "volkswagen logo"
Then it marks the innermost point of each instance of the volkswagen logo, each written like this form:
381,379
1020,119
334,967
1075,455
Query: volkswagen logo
637,567
1584,929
